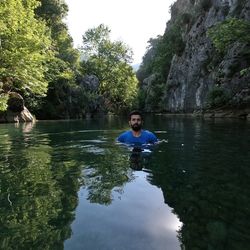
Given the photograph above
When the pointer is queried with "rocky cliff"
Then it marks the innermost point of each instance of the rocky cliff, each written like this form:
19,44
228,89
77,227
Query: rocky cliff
200,68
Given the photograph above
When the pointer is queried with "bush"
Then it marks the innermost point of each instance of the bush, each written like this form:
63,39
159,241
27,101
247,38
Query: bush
155,92
226,33
217,97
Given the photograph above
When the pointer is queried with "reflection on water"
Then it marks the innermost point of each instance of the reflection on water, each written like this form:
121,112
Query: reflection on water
36,206
68,185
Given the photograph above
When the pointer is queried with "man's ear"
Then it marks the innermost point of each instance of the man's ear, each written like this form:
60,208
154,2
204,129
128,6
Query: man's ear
129,122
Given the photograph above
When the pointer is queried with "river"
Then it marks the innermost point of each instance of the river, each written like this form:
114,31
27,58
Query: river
69,185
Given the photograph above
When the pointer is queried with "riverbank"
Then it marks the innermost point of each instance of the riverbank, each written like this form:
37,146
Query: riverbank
215,113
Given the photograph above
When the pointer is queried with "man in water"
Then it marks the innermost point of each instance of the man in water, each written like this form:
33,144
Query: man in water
137,135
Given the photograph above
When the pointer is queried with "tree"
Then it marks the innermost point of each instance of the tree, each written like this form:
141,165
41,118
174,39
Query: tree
62,68
25,45
53,12
109,61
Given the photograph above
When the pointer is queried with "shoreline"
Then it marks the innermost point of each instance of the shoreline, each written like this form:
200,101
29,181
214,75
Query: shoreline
243,114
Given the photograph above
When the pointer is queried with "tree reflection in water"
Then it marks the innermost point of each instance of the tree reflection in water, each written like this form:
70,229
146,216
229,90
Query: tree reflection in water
105,172
37,200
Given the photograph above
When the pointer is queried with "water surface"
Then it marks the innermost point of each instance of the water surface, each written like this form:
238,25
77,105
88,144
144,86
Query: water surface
69,185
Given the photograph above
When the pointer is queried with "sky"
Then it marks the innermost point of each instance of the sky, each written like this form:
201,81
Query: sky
132,21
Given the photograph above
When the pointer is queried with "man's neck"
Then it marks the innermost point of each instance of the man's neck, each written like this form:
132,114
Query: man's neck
136,133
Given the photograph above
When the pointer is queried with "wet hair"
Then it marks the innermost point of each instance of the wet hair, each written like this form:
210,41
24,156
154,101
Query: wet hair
135,112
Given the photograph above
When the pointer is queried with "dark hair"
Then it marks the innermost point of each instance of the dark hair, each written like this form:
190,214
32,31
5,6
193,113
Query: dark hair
135,112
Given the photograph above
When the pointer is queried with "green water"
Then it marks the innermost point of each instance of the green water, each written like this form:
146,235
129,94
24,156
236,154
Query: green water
68,185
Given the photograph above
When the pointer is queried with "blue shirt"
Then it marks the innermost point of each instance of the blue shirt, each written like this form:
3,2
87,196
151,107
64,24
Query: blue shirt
145,137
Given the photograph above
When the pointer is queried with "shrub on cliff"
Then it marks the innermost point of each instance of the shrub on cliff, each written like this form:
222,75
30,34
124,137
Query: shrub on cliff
217,97
232,30
160,53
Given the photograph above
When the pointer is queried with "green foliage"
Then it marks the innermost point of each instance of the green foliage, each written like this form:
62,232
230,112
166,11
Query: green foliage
24,47
52,10
226,33
245,71
62,68
97,44
36,49
108,61
142,94
3,101
155,93
147,65
217,97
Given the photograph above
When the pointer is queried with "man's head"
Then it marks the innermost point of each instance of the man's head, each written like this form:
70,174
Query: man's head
135,120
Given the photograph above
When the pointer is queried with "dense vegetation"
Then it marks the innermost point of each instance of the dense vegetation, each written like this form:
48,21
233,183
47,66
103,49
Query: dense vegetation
25,46
38,61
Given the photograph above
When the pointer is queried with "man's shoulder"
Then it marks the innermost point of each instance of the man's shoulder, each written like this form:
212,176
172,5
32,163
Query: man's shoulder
150,135
125,133
123,136
147,132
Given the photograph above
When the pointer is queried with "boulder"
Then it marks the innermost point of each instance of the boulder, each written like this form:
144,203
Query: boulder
15,102
10,116
16,111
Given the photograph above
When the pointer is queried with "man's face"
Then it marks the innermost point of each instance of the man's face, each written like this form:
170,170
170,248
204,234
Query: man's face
135,122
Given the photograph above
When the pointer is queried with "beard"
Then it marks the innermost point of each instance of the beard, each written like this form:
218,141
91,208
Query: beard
136,127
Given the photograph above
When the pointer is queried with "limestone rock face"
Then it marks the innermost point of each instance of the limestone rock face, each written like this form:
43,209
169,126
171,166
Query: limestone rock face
194,73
